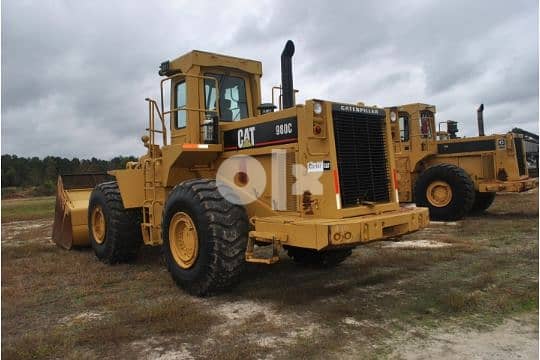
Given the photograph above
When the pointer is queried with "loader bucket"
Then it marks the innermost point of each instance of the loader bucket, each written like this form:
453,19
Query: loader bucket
70,226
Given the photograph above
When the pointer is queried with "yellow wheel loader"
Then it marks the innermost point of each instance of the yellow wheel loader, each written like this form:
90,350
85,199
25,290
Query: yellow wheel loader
225,174
454,176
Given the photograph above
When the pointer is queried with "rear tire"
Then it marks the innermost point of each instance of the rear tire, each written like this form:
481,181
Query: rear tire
324,258
114,232
446,190
214,260
482,201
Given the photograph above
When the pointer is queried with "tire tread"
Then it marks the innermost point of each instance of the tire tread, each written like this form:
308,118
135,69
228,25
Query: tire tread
123,227
462,188
227,237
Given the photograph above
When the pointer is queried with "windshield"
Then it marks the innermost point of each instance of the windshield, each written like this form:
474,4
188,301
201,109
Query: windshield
232,97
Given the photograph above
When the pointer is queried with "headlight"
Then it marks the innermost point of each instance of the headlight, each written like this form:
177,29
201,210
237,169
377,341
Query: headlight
317,108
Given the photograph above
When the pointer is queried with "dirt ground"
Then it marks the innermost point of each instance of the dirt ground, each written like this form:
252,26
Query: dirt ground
466,290
516,338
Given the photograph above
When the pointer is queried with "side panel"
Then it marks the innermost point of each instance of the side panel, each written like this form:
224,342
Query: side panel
466,146
277,132
131,184
404,178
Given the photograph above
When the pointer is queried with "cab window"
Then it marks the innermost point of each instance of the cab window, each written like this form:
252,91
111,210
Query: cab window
232,97
180,103
404,126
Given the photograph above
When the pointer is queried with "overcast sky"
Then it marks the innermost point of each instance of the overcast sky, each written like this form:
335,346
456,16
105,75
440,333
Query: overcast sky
75,73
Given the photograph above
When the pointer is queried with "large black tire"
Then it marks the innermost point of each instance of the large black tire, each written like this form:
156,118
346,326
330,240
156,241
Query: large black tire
123,236
222,231
482,201
462,192
324,258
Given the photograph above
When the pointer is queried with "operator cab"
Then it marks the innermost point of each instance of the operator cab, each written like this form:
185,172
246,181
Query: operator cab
413,127
207,89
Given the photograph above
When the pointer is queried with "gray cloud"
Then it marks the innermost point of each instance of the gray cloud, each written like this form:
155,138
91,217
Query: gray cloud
75,74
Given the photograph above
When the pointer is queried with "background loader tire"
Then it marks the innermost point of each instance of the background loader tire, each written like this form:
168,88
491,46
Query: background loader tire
324,258
122,236
461,190
482,201
221,230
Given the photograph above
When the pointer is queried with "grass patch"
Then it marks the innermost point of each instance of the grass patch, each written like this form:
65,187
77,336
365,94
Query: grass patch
41,305
173,318
27,209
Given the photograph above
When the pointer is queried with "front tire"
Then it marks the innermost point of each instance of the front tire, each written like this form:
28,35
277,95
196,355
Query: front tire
446,190
204,237
114,232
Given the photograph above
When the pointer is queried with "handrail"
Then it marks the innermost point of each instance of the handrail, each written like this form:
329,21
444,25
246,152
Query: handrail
188,109
152,108
280,104
280,96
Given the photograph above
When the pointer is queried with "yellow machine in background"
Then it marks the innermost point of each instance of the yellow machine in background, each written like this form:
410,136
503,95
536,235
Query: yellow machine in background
450,175
225,172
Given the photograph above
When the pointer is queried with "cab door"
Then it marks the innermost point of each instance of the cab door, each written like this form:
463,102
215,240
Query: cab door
404,132
427,132
179,114
403,150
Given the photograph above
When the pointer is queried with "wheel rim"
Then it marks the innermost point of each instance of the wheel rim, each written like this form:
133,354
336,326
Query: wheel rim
183,240
99,225
439,193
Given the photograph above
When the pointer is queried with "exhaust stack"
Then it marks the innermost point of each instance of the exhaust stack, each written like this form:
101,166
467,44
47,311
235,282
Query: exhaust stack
480,117
287,88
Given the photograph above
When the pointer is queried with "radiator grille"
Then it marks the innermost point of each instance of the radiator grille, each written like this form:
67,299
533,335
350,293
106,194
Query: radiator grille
362,159
518,144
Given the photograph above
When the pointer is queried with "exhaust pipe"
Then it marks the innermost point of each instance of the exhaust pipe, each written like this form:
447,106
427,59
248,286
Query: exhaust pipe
287,88
480,117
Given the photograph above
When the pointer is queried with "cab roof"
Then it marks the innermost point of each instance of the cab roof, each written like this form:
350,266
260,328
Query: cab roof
207,59
418,106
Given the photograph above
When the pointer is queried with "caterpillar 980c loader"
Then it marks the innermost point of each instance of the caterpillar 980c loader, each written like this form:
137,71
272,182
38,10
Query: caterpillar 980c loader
225,174
454,176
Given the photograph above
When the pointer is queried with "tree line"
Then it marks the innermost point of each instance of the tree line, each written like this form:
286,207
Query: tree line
36,172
